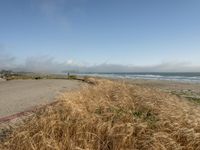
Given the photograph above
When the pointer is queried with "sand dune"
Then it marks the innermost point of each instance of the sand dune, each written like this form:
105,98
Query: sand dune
111,116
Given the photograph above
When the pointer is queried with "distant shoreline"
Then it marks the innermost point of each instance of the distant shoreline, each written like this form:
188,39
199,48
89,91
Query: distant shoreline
190,77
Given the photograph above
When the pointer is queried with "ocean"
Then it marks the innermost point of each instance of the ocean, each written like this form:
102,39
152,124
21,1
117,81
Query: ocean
193,77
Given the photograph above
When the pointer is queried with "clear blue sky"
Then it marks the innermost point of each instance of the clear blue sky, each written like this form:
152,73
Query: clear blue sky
127,32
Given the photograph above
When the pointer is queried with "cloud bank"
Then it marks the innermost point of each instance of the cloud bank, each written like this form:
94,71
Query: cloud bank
46,64
6,61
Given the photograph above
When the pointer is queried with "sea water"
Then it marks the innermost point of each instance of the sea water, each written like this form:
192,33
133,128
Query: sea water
181,77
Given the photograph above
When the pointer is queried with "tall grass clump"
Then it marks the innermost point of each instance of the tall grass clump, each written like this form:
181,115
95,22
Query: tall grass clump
111,115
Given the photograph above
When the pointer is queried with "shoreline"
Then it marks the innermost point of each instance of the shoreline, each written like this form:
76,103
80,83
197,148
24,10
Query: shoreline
185,77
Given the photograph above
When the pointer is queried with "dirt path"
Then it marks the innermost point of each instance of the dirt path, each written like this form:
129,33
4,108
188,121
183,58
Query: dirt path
20,95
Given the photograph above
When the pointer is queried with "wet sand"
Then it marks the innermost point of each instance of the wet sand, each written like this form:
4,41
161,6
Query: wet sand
20,95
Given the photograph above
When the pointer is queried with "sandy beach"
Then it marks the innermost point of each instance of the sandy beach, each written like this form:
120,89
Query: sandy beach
20,95
163,84
188,90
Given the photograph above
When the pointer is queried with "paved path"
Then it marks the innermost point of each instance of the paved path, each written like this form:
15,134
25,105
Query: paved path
19,95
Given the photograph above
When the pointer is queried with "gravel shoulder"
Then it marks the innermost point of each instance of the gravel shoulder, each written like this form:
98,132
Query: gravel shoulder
20,95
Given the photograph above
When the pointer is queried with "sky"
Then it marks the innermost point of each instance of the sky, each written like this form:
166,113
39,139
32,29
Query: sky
100,35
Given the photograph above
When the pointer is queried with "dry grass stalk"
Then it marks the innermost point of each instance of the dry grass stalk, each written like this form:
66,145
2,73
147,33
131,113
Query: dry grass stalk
111,116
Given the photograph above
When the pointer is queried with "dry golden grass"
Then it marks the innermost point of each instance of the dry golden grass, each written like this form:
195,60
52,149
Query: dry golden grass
111,116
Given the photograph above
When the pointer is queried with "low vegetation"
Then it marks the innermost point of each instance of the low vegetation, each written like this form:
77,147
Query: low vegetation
10,75
111,115
188,94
